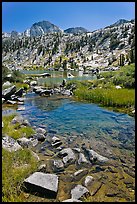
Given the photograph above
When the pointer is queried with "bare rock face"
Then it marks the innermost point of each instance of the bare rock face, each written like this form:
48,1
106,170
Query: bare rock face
10,144
79,191
42,183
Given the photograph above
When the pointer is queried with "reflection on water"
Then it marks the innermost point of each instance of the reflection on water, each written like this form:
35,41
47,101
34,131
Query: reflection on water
57,76
67,117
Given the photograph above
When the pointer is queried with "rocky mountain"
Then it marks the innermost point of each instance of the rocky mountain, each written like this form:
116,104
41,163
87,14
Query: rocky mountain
42,27
76,30
99,48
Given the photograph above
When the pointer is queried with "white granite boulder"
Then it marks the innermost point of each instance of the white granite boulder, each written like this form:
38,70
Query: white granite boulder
42,183
79,191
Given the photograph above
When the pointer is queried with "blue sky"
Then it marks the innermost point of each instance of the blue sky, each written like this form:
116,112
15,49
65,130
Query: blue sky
91,15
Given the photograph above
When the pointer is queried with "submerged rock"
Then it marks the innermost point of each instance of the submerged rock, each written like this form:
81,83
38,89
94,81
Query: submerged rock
95,156
79,191
41,130
42,183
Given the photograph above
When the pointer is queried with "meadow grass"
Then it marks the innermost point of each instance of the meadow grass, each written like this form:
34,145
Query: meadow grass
15,130
16,166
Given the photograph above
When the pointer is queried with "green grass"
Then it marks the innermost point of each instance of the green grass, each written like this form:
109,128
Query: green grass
16,166
14,130
104,91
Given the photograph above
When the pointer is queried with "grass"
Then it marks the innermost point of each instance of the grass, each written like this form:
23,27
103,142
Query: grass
15,130
16,166
103,91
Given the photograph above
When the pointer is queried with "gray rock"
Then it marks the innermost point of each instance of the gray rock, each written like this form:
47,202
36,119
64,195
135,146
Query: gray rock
41,130
68,156
94,155
21,120
10,144
66,92
39,136
8,92
24,142
77,149
45,184
7,83
11,102
56,144
42,168
33,83
55,139
58,165
71,200
19,92
46,92
82,159
79,191
88,181
3,100
80,173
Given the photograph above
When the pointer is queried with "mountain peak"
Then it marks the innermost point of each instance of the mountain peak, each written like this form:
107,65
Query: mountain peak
76,30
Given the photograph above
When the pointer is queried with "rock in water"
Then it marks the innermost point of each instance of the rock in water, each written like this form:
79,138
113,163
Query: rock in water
41,183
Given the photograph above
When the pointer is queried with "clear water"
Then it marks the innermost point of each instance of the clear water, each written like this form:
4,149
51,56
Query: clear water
57,76
65,116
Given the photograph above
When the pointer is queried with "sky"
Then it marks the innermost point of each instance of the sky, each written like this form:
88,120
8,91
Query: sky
20,16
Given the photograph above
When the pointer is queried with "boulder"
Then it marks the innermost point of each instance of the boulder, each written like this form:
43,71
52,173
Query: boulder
25,142
79,174
3,100
55,142
82,159
88,181
10,144
40,137
8,92
68,156
19,92
7,83
71,200
79,191
21,120
95,156
41,130
33,83
58,165
42,183
11,102
46,92
67,92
